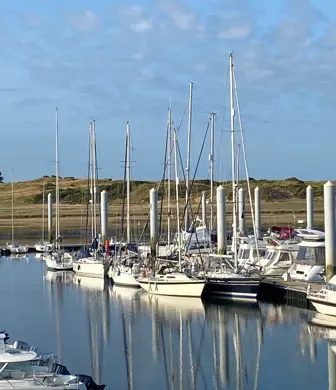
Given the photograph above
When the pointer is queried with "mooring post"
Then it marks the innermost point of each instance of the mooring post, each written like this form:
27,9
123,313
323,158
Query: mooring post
104,213
257,211
221,220
329,228
241,211
50,217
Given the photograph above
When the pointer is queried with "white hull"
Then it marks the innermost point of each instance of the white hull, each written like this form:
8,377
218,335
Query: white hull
178,288
53,265
17,250
91,268
124,279
324,307
43,248
59,262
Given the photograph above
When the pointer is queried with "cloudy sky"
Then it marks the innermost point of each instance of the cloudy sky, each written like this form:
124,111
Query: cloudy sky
115,60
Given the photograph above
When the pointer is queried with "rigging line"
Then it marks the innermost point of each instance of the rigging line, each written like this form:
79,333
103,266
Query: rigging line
124,195
164,356
246,168
88,198
164,176
193,181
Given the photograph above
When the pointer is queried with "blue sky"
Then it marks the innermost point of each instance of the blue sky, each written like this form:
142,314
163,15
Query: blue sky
115,60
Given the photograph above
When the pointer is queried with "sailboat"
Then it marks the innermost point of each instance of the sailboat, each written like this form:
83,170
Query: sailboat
174,283
126,271
58,259
43,245
92,263
15,248
224,279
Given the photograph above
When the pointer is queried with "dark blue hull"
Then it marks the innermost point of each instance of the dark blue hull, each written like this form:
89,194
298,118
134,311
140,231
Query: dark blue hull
240,289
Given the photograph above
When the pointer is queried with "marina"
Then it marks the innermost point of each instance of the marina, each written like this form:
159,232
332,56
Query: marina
146,239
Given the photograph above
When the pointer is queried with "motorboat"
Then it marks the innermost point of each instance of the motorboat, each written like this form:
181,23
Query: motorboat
309,265
279,256
250,251
324,300
19,369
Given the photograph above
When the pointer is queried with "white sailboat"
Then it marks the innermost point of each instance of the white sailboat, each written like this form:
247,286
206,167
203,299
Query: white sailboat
224,279
43,246
58,260
174,283
125,272
15,248
92,264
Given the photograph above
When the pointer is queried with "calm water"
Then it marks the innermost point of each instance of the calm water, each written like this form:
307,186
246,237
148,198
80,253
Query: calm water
129,340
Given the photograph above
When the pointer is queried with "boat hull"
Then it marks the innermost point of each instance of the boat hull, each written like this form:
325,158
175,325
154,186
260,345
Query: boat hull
91,269
124,279
53,265
238,289
324,307
192,288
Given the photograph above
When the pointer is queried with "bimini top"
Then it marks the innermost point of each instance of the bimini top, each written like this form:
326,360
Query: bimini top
310,234
14,355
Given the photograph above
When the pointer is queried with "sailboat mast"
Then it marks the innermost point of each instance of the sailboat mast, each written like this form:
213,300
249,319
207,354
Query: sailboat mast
212,147
57,186
128,178
12,212
188,154
91,176
233,162
169,171
177,181
94,171
43,213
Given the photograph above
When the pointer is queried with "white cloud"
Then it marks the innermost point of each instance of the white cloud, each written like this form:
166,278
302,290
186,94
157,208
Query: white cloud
143,25
180,15
235,32
85,21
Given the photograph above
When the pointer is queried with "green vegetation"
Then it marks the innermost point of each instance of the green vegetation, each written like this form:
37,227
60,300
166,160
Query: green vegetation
75,191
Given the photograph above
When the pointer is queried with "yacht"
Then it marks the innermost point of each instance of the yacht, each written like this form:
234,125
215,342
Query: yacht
309,265
92,263
20,369
17,249
248,250
324,300
279,256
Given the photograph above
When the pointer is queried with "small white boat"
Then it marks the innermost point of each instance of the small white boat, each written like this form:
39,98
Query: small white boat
43,247
59,261
94,267
17,249
175,284
126,273
324,300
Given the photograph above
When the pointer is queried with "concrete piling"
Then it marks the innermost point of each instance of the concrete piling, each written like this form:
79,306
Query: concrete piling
204,219
50,217
310,207
153,199
329,228
241,211
104,213
257,211
221,220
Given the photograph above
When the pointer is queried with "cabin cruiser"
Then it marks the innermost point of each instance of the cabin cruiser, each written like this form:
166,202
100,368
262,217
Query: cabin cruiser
279,256
23,369
309,265
59,260
324,300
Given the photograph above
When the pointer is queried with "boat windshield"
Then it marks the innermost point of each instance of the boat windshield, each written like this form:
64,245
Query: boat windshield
330,286
17,370
310,256
269,255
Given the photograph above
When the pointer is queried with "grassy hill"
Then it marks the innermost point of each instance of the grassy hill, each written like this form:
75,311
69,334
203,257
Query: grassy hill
283,202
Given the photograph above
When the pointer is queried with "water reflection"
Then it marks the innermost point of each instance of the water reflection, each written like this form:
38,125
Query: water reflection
131,340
